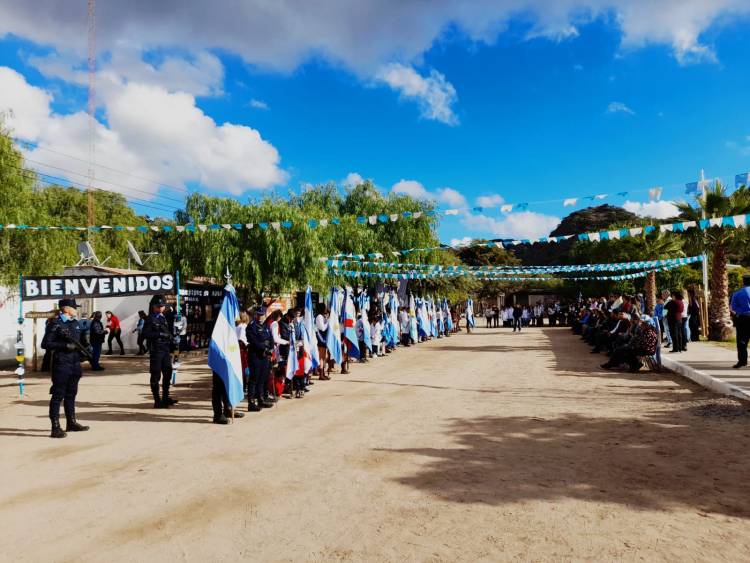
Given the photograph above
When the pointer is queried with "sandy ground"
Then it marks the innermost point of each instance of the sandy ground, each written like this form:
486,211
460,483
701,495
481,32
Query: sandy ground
489,447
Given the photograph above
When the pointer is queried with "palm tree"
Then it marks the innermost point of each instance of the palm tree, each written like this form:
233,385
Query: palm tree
654,246
718,242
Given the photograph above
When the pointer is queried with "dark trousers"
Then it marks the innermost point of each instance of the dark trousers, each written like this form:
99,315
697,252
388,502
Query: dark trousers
96,353
64,390
142,348
405,339
743,336
626,355
683,333
114,335
260,369
219,398
516,324
160,366
676,332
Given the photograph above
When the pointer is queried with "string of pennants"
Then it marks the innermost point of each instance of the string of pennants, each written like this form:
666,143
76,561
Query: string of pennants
505,269
734,221
484,276
264,225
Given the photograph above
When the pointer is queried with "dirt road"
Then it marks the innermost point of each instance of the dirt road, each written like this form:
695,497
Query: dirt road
489,447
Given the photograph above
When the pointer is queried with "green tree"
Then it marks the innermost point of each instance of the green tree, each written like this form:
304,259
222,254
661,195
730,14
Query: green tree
719,243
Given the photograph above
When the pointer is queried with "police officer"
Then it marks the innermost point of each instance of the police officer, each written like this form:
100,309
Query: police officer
156,332
65,341
259,351
740,306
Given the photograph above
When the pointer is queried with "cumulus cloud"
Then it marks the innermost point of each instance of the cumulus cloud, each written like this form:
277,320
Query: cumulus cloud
619,107
655,209
434,95
447,196
522,225
149,131
362,35
352,180
492,200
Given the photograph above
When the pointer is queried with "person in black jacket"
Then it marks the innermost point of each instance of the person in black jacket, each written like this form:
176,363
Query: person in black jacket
96,337
156,331
259,352
65,340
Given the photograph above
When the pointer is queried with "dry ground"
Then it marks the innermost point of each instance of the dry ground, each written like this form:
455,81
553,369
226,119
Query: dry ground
489,447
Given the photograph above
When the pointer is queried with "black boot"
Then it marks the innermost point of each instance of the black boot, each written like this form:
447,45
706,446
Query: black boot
158,404
267,403
237,414
73,426
165,398
252,406
221,420
57,432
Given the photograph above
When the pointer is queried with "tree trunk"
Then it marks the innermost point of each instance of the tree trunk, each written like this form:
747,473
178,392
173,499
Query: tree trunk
719,321
650,292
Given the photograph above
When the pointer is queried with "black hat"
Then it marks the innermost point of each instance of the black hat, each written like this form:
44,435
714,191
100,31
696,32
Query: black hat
158,300
67,303
260,310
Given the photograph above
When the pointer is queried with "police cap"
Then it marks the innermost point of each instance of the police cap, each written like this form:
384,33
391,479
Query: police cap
67,303
158,301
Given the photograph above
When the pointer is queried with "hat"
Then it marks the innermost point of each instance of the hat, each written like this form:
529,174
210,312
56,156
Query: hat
67,303
158,300
260,310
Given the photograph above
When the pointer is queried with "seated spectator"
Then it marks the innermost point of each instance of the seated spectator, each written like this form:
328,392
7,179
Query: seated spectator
643,343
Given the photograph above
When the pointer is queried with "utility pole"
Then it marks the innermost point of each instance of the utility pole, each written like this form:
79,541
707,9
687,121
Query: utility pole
702,186
91,108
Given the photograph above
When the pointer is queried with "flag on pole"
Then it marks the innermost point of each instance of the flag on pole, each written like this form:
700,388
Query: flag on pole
349,318
470,312
310,343
364,307
292,362
224,349
333,340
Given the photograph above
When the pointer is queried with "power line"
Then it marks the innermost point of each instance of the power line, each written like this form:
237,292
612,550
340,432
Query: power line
55,181
39,147
180,201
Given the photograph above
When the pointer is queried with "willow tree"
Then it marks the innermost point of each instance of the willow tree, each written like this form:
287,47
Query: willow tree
719,242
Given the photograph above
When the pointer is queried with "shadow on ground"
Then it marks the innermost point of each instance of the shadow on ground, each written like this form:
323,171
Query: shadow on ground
646,464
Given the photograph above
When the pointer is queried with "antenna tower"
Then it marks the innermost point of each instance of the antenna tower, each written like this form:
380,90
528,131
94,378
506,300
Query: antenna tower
92,107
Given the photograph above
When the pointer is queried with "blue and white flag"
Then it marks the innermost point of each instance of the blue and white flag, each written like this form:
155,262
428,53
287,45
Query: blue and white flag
333,340
348,321
310,342
224,350
470,312
364,308
292,361
742,180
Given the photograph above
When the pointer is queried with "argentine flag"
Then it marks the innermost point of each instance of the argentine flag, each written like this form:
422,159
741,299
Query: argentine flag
310,343
292,363
333,340
470,312
364,307
348,319
224,350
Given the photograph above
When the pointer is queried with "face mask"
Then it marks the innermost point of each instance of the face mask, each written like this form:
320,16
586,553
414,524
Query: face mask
65,317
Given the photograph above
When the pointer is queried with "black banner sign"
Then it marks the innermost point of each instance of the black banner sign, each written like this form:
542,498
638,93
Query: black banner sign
56,287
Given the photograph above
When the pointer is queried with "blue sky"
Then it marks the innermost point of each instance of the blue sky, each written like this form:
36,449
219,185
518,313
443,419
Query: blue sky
520,108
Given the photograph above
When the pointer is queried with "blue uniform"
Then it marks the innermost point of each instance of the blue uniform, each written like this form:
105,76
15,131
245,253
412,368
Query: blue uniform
156,331
60,338
740,306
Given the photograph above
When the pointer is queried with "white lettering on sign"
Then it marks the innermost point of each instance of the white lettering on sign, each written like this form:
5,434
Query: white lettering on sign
88,285
119,285
167,282
71,287
32,288
104,285
141,283
56,287
154,284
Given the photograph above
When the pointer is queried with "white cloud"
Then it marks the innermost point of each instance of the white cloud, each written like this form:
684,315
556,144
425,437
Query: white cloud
619,107
149,132
352,180
461,241
447,196
492,200
523,225
434,94
655,209
362,35
258,104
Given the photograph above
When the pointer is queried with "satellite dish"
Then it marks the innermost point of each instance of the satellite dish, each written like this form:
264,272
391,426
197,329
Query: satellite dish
134,254
87,254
